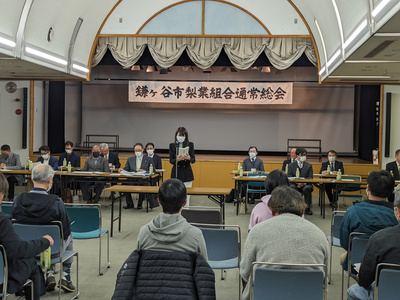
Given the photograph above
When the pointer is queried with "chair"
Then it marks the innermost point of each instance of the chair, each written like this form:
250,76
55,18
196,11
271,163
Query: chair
223,244
254,187
6,207
349,188
202,214
357,244
86,224
290,281
334,238
4,274
386,281
58,254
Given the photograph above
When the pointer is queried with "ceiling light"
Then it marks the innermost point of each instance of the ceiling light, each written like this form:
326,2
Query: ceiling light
265,69
362,77
378,9
7,42
254,68
46,56
185,68
151,69
135,68
80,68
355,33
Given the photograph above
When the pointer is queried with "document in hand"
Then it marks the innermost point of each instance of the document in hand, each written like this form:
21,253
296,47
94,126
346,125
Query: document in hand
183,151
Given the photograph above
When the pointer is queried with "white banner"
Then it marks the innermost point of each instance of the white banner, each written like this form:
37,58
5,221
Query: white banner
211,92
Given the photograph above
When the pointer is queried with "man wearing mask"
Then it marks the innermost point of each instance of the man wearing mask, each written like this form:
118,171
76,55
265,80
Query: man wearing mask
95,163
252,163
111,157
70,156
137,163
10,161
156,158
334,166
306,171
46,158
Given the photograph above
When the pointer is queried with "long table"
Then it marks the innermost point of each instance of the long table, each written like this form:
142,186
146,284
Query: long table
217,195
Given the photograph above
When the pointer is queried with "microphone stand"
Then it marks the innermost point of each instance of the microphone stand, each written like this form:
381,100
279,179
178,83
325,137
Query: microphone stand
176,159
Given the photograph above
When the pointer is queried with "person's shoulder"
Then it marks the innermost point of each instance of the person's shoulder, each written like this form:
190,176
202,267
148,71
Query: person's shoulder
15,155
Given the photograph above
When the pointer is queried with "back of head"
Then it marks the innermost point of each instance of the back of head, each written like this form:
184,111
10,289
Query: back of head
3,185
42,173
172,195
284,199
274,179
381,183
5,148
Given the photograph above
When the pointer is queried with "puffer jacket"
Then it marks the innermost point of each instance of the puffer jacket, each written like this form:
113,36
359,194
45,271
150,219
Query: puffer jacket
148,274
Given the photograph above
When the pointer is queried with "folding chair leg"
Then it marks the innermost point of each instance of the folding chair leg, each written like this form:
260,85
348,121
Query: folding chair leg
101,272
222,274
342,282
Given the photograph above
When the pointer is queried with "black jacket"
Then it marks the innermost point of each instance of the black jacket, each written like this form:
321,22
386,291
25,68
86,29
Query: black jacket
392,166
148,274
185,172
19,253
338,166
114,159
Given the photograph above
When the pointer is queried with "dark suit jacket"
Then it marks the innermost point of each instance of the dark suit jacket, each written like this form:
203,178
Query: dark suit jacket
185,172
74,159
157,161
392,166
258,164
286,162
130,165
338,166
113,159
53,162
306,171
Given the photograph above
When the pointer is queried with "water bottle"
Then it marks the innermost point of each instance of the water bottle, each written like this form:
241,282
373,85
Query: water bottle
30,165
239,167
297,173
69,167
64,162
391,173
287,169
45,258
241,172
151,169
339,175
328,170
27,163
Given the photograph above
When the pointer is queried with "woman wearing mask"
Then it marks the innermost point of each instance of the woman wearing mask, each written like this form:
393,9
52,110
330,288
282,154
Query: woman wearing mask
181,163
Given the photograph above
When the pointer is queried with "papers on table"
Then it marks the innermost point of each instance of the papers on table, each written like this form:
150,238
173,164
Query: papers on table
126,173
5,170
99,173
82,172
293,178
259,176
344,179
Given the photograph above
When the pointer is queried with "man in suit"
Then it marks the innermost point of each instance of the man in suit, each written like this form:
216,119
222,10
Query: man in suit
46,158
306,171
138,163
10,161
95,163
292,158
156,158
394,166
252,162
70,156
112,157
335,166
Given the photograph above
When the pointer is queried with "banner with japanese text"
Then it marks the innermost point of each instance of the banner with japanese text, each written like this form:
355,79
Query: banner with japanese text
211,92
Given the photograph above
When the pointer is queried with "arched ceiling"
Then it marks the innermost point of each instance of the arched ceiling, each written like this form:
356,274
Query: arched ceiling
356,41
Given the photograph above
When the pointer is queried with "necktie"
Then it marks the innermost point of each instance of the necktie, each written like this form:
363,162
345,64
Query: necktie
252,162
139,163
332,167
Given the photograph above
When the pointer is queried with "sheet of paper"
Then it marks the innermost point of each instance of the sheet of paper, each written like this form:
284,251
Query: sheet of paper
183,151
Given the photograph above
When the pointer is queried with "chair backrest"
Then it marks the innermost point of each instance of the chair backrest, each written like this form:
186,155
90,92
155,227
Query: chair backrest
386,281
288,282
84,218
6,207
357,245
3,269
256,184
336,222
202,215
349,187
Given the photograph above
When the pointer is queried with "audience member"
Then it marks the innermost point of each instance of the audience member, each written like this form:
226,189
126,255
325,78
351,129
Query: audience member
111,157
95,163
150,150
292,159
285,238
261,211
306,171
370,215
11,161
46,158
70,156
138,163
39,207
383,247
334,166
20,254
394,166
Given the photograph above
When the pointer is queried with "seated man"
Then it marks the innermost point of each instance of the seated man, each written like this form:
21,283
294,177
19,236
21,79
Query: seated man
20,254
292,158
306,171
370,215
285,238
252,163
46,158
335,166
70,156
156,158
137,163
111,157
169,231
11,161
394,166
383,247
38,207
95,163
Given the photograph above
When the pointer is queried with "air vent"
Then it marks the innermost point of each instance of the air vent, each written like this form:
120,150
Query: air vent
378,49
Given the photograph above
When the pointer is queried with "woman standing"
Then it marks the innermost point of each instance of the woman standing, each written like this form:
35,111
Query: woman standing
181,163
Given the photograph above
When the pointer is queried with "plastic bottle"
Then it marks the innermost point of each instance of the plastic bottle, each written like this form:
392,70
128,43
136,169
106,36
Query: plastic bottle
239,167
297,173
241,172
27,163
64,162
151,169
287,169
69,167
339,175
328,170
391,173
30,165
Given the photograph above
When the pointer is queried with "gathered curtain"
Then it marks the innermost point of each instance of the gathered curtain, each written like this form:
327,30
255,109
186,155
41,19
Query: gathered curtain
242,52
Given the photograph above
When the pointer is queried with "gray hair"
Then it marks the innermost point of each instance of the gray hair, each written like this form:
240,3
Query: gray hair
285,199
42,173
396,192
103,146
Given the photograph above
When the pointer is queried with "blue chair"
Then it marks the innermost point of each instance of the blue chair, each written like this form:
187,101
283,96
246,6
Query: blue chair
58,254
334,238
255,187
288,281
387,281
202,214
6,207
86,224
349,187
223,244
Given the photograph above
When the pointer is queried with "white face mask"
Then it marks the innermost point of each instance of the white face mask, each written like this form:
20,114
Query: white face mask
69,151
138,154
45,156
180,138
331,158
150,152
252,154
303,158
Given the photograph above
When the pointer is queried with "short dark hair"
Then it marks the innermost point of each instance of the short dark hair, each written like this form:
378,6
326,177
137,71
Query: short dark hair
149,144
397,152
69,143
274,179
137,144
172,195
253,147
301,151
285,199
44,148
381,183
3,183
182,130
5,148
332,151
